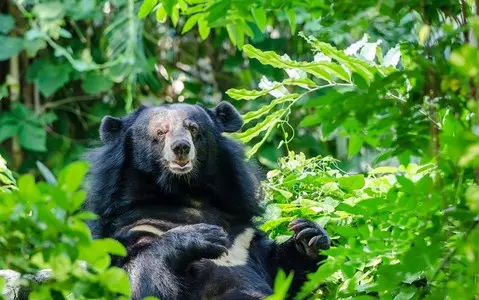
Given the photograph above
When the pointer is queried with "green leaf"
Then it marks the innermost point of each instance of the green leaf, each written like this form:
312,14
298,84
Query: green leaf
2,283
116,280
218,11
354,145
246,94
322,69
190,23
71,177
259,15
161,14
33,46
96,83
168,6
325,271
110,246
11,46
383,170
175,15
267,123
281,285
363,68
48,118
8,130
146,7
346,231
255,114
204,29
353,182
292,20
243,94
33,137
310,120
236,34
77,200
49,77
27,188
472,198
7,23
61,265
49,10
405,295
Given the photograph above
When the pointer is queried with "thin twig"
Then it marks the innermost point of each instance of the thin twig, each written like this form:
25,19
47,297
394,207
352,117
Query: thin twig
67,100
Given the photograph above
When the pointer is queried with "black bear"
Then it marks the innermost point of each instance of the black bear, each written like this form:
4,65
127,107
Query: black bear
181,198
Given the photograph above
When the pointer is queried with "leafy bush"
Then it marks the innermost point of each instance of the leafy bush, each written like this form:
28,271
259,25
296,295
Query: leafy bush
385,230
43,228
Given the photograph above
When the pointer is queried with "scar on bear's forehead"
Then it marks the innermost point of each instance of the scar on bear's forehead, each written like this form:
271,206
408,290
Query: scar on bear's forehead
159,117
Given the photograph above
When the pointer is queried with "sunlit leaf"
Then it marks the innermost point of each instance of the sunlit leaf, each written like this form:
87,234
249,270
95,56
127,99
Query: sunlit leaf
146,7
259,15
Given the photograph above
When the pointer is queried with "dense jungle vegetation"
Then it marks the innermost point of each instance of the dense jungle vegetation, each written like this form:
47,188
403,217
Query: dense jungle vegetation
363,114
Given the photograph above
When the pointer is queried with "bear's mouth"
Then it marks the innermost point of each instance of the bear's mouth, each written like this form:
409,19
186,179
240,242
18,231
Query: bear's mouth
180,166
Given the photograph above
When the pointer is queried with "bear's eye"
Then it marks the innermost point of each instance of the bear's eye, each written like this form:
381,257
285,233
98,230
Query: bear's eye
162,131
193,129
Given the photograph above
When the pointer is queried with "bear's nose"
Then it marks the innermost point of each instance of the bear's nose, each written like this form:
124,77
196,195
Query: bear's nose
181,148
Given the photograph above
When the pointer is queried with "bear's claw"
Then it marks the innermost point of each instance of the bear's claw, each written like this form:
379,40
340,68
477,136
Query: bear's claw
309,236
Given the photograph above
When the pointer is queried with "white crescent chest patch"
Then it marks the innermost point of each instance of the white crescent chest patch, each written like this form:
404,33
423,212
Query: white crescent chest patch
238,252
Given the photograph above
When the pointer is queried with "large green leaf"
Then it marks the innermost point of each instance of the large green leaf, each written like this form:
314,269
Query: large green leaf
71,177
236,34
322,69
49,77
6,23
255,114
96,83
11,46
259,15
116,280
33,137
254,131
9,126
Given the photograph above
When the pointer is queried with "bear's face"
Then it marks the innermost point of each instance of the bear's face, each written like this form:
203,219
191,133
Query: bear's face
175,138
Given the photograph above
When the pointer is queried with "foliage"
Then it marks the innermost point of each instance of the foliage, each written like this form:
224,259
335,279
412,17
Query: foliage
86,59
42,228
389,87
239,18
333,68
384,229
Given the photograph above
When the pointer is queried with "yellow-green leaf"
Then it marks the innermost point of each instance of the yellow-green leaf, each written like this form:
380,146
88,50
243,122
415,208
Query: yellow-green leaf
146,7
190,23
259,15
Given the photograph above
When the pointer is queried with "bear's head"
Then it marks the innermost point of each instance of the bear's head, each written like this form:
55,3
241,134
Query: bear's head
171,154
176,139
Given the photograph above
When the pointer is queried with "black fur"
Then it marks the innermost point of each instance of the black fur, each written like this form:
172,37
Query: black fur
200,213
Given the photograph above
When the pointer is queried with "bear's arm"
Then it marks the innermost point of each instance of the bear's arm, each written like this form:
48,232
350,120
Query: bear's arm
158,264
150,275
287,257
300,253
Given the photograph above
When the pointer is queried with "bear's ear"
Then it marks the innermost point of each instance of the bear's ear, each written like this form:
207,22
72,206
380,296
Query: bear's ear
228,116
110,129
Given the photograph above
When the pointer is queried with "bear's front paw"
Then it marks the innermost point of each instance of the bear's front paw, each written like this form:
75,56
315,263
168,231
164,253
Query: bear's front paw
310,237
201,241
